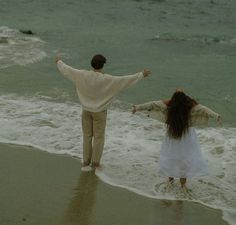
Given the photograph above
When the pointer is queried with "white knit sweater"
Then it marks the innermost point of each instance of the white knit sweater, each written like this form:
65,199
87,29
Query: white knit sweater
96,90
199,115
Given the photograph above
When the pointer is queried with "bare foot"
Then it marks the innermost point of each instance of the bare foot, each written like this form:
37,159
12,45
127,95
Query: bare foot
96,166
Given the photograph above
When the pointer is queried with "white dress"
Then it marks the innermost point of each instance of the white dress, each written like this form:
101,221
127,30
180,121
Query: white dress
182,158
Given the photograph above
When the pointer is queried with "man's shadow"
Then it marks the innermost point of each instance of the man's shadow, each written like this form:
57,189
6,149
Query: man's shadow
80,208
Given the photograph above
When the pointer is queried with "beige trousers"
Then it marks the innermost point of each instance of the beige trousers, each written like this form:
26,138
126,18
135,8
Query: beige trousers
93,125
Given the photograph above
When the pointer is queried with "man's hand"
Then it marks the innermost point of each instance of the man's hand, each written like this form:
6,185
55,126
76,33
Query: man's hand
146,72
58,57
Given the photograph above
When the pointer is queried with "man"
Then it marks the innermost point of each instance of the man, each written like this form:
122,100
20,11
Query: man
96,90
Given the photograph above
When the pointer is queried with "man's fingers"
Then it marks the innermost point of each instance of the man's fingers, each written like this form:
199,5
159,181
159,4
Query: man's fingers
146,72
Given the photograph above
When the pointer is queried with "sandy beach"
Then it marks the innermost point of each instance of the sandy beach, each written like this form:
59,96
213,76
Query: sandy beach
186,44
39,188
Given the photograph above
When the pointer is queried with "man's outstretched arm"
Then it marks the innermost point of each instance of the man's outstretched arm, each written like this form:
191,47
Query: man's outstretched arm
67,71
123,82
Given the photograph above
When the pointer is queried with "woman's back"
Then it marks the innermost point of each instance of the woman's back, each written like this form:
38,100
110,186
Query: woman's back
178,114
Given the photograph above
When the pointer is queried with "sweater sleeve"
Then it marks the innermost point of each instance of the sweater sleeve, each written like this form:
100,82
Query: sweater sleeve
154,105
156,110
120,83
68,71
207,111
200,115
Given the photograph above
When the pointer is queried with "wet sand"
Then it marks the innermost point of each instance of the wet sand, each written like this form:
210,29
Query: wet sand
39,188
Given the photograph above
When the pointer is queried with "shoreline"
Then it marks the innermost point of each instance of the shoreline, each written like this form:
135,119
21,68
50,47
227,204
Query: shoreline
43,188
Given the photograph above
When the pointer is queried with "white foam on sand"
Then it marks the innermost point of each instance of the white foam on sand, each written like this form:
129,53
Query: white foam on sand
131,151
17,48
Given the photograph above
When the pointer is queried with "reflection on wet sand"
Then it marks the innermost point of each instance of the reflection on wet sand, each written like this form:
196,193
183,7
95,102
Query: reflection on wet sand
175,211
80,208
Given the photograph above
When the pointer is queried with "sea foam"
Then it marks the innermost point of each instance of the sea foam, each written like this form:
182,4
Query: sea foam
131,151
17,48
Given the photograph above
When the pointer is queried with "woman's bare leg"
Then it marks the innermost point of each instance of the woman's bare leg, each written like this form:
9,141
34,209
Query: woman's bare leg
183,182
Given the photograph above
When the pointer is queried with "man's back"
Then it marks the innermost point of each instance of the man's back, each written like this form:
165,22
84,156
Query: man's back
95,89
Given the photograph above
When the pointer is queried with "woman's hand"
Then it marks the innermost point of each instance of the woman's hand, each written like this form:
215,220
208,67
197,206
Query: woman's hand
134,109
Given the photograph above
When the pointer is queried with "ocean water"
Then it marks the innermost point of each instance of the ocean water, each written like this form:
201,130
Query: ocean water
186,43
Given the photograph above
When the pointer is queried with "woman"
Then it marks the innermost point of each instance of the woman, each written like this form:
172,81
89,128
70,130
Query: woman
180,155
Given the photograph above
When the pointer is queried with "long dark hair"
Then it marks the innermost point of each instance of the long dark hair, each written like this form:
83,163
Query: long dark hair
178,114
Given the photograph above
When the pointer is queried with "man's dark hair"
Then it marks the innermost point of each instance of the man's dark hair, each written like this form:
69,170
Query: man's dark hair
98,61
